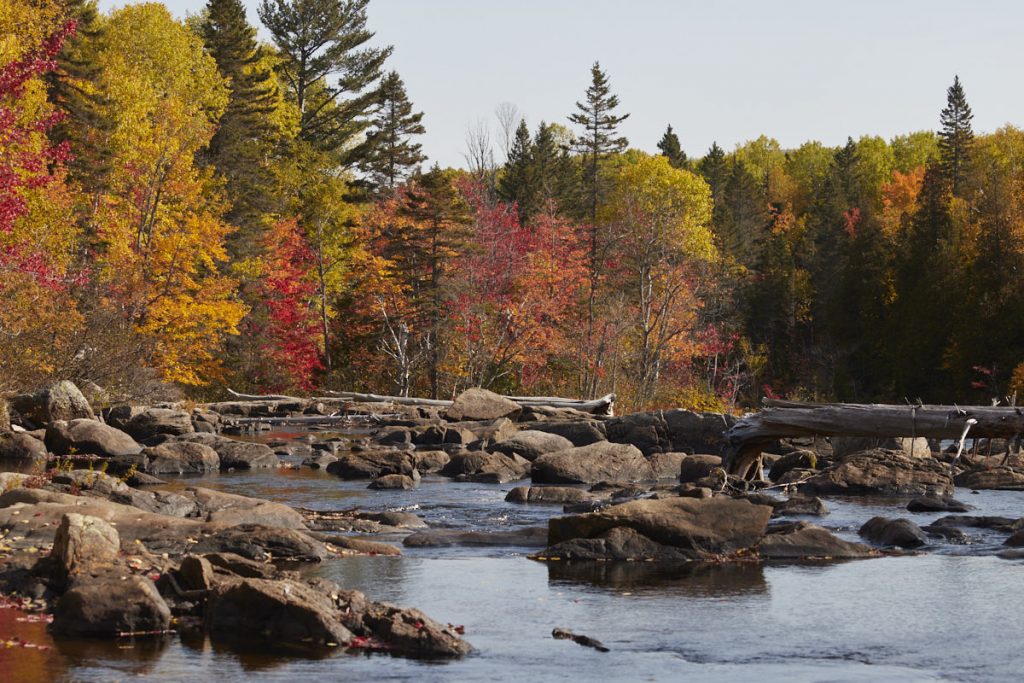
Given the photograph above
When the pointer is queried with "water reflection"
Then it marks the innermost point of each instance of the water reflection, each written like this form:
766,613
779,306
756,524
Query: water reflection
689,579
137,655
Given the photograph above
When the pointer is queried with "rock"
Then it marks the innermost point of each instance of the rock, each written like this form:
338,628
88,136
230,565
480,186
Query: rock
155,421
231,509
667,465
429,462
180,457
1005,524
410,632
486,434
205,421
319,460
843,446
111,607
401,520
60,401
681,431
530,444
807,541
948,534
360,546
372,464
241,566
547,494
277,613
486,467
393,481
21,446
901,533
579,432
89,437
238,455
394,436
937,504
618,543
697,528
602,461
262,543
881,472
530,537
83,541
196,573
801,505
586,641
695,467
791,461
996,478
1016,539
480,404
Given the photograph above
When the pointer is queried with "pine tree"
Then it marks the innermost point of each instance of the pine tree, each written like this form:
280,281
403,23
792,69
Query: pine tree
246,134
552,173
956,136
715,170
600,134
392,155
670,147
515,186
329,71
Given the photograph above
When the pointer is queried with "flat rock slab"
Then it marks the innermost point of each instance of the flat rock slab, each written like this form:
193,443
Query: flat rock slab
807,542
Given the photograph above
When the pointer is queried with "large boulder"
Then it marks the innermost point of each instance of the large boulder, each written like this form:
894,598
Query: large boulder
882,472
82,541
696,467
180,457
995,478
480,404
111,607
152,422
602,461
681,431
60,401
280,613
579,432
531,444
262,543
490,468
901,533
694,528
229,509
21,446
372,464
235,455
800,459
803,541
843,446
89,437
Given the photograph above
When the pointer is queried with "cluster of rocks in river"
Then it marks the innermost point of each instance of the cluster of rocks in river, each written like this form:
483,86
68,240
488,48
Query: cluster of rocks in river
111,555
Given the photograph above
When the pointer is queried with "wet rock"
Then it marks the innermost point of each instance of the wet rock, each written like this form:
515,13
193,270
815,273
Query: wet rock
480,404
697,528
235,455
579,432
360,546
319,460
196,573
61,401
530,537
429,462
372,464
262,544
619,543
937,504
394,481
901,533
881,472
807,541
483,467
801,505
949,534
603,461
111,607
695,467
400,520
180,457
412,633
1005,524
996,478
1016,539
586,641
547,494
530,444
89,437
230,509
21,446
152,422
279,613
81,542
790,461
843,446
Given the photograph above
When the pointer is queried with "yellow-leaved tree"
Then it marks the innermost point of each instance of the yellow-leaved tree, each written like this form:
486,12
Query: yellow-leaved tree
156,216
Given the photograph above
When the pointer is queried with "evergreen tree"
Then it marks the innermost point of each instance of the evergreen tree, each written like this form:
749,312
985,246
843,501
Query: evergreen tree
246,134
515,186
552,172
956,136
715,170
670,147
329,71
391,153
600,137
744,220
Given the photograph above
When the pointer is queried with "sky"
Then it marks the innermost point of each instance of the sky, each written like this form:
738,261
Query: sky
725,71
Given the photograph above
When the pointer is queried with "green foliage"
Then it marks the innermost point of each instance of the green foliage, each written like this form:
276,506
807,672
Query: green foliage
671,149
955,136
391,153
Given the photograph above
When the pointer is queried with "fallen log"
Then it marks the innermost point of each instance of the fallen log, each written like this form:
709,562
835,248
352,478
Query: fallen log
787,419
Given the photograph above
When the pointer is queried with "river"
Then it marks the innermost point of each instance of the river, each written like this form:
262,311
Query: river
950,613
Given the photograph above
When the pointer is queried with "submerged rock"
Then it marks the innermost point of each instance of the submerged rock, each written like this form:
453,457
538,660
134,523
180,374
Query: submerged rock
893,532
937,504
803,541
531,537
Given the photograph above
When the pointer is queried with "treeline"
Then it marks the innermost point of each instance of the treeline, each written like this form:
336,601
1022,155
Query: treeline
183,207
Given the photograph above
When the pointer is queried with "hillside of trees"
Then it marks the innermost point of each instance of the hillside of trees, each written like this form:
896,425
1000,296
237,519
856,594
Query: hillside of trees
184,208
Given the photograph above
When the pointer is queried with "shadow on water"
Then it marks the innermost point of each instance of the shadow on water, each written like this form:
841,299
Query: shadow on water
690,579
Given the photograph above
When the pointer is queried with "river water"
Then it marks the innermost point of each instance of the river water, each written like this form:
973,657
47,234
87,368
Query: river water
953,612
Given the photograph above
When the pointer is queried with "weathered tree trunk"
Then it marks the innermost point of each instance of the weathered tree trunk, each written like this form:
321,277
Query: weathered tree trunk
782,419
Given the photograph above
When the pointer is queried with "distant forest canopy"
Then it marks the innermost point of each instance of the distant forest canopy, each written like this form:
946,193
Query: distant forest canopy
185,208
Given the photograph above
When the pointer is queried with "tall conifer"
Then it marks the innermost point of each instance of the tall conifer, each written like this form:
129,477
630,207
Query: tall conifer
670,147
956,136
392,154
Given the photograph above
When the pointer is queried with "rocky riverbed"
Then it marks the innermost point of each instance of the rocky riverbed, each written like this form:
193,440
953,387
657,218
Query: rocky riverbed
201,526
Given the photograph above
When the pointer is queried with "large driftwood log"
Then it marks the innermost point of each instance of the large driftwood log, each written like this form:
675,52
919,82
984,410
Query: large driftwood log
782,419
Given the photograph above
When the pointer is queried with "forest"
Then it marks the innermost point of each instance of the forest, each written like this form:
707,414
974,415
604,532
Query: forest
185,208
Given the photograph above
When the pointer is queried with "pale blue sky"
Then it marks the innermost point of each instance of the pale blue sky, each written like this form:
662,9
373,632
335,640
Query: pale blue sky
727,70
